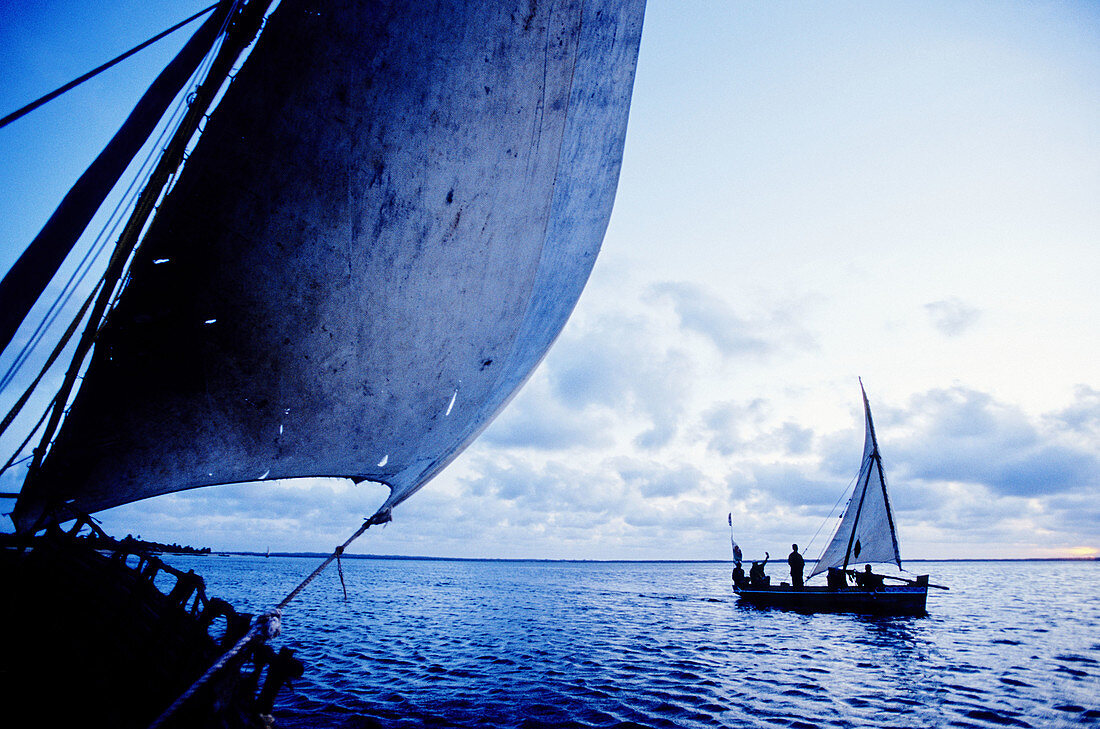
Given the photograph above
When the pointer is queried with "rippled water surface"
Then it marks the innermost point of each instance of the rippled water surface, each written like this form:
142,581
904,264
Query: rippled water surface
522,644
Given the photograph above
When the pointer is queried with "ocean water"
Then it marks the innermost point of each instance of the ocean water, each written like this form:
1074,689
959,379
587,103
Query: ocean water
604,644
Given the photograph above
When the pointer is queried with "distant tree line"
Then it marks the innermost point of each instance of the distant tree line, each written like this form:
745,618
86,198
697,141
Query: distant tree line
99,542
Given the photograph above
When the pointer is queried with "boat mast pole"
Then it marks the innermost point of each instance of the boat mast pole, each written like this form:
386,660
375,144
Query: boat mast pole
889,514
877,458
855,522
889,511
243,26
866,482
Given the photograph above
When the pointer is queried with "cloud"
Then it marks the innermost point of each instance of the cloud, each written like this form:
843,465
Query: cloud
963,466
538,420
966,436
293,514
727,424
1049,469
1072,512
706,314
732,428
788,484
1083,416
796,439
652,481
628,365
951,316
551,488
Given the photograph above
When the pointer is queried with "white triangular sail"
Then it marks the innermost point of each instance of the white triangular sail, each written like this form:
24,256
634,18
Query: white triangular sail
866,532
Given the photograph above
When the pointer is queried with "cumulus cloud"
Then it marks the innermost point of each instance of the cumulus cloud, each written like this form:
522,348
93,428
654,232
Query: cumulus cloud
951,316
967,436
732,428
959,462
628,365
1083,416
725,425
789,484
289,514
651,480
537,420
706,314
552,488
1075,512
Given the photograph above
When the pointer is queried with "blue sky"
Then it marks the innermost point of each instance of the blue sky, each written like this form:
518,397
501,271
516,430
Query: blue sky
810,193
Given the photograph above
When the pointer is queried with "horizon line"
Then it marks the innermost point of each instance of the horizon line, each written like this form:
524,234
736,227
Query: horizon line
423,558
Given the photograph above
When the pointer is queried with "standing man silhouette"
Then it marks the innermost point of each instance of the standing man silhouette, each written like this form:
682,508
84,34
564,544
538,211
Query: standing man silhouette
797,563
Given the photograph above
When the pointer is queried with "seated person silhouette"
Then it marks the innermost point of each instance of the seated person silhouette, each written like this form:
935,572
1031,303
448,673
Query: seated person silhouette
757,578
738,575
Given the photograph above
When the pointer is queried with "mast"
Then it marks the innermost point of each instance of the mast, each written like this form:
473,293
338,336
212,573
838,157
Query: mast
876,458
855,523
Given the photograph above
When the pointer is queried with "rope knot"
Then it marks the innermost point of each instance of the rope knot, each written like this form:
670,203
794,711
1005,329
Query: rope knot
271,625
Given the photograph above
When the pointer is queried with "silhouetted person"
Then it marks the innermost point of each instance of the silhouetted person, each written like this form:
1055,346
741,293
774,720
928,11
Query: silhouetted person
836,578
757,578
867,579
738,575
797,564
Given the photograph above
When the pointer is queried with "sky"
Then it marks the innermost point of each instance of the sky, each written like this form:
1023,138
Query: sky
810,193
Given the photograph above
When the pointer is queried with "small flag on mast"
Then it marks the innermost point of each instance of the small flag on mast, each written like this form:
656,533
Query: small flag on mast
736,549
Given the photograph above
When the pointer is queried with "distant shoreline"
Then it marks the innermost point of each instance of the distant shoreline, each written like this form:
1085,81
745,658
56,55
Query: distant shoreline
347,555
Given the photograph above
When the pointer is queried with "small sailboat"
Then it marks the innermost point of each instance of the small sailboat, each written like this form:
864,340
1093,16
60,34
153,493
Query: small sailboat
865,535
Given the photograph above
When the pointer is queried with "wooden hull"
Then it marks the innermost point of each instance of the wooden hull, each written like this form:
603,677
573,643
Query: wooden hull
890,600
92,642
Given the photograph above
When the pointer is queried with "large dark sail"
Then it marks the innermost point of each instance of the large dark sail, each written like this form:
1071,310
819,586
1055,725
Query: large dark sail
384,226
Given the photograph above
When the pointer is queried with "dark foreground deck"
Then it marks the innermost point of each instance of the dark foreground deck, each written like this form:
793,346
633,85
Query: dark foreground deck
889,600
90,641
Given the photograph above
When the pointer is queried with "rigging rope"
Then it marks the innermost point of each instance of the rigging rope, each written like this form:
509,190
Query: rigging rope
12,461
95,72
267,625
107,233
49,363
809,544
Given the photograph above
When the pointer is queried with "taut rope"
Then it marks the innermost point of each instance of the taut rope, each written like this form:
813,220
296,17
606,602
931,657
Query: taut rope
265,626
